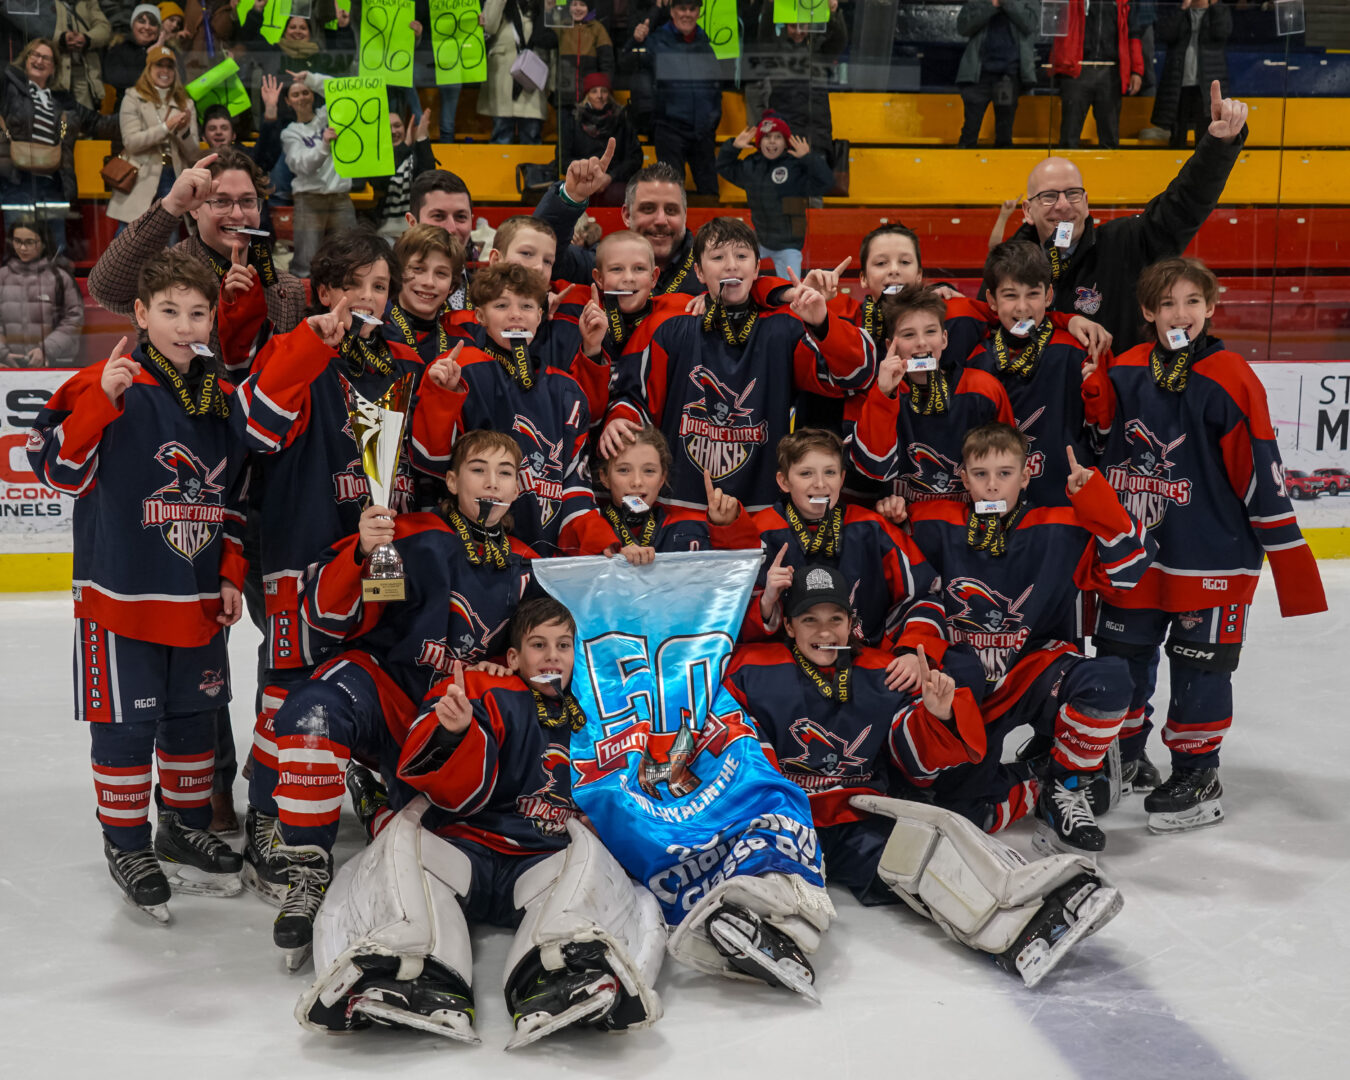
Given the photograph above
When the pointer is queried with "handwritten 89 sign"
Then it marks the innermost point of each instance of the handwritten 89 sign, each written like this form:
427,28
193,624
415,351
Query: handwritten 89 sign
358,111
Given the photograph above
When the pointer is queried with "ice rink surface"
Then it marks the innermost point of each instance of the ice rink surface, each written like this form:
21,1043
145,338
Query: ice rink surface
1231,958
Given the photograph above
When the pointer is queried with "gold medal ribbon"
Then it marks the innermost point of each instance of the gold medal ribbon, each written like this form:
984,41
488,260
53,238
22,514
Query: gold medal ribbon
366,354
681,274
516,363
495,547
615,519
569,715
1171,376
933,397
833,689
400,319
1023,363
259,257
716,317
210,398
871,318
1058,262
989,532
825,542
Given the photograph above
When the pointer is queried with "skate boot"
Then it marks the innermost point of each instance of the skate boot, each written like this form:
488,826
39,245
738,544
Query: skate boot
369,797
142,882
437,1001
263,874
197,861
308,870
224,821
1139,776
1067,822
1073,911
1188,800
761,951
584,992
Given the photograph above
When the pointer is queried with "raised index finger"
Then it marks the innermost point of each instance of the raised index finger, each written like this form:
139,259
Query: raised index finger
1073,461
210,159
708,486
778,561
923,664
843,265
457,674
607,156
1215,94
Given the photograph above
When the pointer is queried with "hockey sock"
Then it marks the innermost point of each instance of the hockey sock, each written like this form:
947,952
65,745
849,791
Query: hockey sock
262,777
121,757
1198,716
185,757
311,787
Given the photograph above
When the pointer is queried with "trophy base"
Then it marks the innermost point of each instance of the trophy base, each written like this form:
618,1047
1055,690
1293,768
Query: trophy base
375,589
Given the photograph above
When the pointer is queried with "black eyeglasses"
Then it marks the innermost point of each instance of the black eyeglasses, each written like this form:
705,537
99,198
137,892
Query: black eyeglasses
1074,195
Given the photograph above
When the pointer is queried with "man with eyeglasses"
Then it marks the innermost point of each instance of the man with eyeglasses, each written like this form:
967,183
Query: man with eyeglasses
1095,266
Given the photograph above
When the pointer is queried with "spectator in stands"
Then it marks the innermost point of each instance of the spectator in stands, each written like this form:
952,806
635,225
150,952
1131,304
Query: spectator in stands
124,63
1196,34
323,203
439,197
999,60
634,73
219,130
176,36
687,104
120,13
295,50
1097,62
776,187
159,135
799,66
82,33
1144,18
41,309
584,49
412,155
1095,274
339,37
598,119
212,26
44,124
513,27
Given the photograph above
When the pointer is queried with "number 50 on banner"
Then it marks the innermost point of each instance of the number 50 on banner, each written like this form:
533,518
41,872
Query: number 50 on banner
358,110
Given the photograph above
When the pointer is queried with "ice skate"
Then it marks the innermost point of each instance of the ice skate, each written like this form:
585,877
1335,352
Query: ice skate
195,860
369,797
761,951
437,1001
262,873
542,1001
1139,776
1067,821
308,871
1072,912
142,882
1188,800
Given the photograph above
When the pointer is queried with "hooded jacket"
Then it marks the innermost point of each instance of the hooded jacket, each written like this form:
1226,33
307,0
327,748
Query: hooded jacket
40,304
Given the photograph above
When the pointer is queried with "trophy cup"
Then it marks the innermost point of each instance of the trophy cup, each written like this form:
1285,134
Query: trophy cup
377,427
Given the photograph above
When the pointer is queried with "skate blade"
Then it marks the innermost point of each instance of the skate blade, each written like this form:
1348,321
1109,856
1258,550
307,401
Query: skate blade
193,881
532,1027
1093,913
1201,816
1047,842
456,1026
272,895
793,976
295,959
158,912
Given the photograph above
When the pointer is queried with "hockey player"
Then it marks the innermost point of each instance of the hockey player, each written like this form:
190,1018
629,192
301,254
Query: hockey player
1012,575
492,754
916,415
144,443
1039,366
635,477
829,722
465,578
430,263
1192,453
713,383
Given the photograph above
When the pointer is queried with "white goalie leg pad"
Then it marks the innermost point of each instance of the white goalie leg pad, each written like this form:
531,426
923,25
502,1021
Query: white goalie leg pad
786,901
582,894
397,898
978,889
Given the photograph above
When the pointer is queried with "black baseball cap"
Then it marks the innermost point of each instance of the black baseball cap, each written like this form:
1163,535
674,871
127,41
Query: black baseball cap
816,584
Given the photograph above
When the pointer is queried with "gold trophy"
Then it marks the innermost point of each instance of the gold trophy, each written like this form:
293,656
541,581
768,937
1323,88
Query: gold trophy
377,427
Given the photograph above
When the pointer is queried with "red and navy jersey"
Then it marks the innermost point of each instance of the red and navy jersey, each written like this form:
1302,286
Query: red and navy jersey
888,572
593,374
555,511
1047,407
681,529
724,407
836,749
920,454
309,466
506,782
1030,597
1201,471
454,610
159,503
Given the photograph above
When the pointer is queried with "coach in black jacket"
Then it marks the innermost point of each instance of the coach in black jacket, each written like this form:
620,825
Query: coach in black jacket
1096,274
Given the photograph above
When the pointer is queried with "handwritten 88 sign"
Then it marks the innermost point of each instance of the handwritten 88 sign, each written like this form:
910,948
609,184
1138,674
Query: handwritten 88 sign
458,44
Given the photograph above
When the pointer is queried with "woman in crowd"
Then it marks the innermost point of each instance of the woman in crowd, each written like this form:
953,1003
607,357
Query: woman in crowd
512,27
323,204
41,310
124,63
82,33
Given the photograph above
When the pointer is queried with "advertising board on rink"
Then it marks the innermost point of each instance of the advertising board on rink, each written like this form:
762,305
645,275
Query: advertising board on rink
1310,408
33,517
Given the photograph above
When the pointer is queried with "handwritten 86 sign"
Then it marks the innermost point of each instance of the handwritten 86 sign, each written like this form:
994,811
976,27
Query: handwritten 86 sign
387,40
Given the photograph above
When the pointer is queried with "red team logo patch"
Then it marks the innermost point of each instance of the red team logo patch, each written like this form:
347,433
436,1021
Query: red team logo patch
189,511
212,683
718,431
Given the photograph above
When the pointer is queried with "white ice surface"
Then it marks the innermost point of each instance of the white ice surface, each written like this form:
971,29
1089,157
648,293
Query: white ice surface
1231,958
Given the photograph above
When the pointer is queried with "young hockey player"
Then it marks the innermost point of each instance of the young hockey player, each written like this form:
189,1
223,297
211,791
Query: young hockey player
143,442
1012,579
715,383
830,724
635,477
430,263
493,755
916,415
1040,367
1192,453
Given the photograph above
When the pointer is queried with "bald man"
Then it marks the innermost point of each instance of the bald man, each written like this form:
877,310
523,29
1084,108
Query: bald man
1096,272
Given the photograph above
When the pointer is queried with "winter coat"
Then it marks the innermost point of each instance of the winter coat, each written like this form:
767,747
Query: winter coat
799,76
582,50
311,159
1066,54
973,22
592,130
687,78
122,66
16,106
495,95
40,304
1174,30
82,72
776,190
145,138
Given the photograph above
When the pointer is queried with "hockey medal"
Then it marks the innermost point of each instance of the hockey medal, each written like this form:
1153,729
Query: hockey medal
921,363
1022,327
1064,234
1177,339
991,506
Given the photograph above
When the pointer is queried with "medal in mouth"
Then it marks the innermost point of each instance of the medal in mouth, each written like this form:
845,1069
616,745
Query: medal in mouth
921,363
991,506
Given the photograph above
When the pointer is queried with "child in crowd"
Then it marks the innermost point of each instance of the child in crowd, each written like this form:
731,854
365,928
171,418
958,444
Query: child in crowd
149,446
1190,449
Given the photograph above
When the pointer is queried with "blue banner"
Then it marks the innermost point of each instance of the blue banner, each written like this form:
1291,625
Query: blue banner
668,767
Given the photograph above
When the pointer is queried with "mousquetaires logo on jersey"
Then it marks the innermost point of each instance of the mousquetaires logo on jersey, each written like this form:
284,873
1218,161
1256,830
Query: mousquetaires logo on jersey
936,476
989,623
188,511
351,485
548,808
469,638
1145,483
718,431
825,757
541,466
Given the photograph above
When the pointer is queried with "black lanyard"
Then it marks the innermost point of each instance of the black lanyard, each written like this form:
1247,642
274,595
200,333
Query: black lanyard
616,519
835,689
495,547
716,317
569,714
400,319
1023,363
989,532
516,363
209,399
825,541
